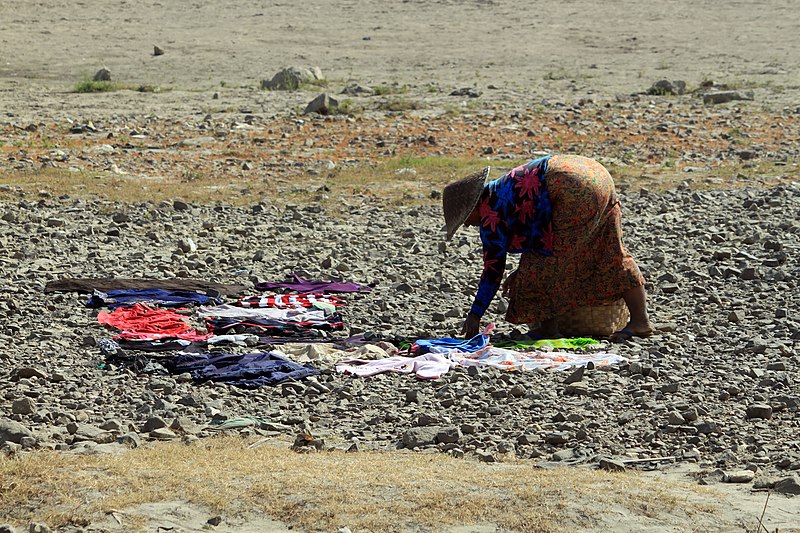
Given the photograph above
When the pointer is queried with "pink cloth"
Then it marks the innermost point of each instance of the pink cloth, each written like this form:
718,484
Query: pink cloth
428,366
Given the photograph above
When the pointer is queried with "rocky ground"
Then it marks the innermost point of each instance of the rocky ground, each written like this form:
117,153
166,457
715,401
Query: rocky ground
717,386
200,173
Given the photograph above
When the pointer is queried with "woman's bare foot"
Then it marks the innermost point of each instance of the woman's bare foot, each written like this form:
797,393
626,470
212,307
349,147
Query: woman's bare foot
632,330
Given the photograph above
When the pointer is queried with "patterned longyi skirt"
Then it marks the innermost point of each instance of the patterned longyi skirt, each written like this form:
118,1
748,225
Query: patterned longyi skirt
590,265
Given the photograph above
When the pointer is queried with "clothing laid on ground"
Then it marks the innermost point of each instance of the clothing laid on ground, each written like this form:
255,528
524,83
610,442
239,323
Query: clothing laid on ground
427,366
268,326
470,345
565,344
284,315
140,322
512,360
563,215
108,284
166,345
247,371
165,298
299,284
439,360
290,301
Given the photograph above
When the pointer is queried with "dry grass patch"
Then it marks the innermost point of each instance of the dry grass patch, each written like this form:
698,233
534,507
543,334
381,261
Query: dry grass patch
319,491
397,181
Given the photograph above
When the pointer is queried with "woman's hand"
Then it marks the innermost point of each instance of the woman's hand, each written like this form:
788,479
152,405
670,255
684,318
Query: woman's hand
509,282
471,326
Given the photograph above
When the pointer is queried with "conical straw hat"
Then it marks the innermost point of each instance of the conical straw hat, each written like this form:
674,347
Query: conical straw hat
460,198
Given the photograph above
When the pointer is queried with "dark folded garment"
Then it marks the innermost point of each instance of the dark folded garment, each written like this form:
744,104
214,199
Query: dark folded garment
248,371
109,284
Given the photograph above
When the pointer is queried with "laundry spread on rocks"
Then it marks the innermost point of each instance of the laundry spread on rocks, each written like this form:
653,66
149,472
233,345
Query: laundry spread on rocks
187,328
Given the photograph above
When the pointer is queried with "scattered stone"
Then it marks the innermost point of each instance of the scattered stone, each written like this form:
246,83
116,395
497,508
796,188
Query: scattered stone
469,92
153,423
355,89
448,435
575,376
23,406
723,97
292,78
420,436
131,440
759,410
88,432
322,105
612,465
666,87
739,476
28,372
158,51
102,75
11,431
163,433
789,485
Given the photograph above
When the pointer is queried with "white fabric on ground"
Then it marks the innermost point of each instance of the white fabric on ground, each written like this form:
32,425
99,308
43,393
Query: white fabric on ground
428,366
512,360
286,315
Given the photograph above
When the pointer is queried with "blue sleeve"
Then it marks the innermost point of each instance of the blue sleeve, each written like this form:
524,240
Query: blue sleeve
494,265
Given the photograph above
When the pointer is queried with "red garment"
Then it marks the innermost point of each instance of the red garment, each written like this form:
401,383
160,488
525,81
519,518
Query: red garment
140,322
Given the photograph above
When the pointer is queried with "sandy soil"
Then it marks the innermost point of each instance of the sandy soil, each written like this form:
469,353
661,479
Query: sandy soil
559,50
555,49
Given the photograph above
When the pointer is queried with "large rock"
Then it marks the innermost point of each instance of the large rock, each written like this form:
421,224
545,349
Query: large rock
323,105
420,436
665,87
291,78
102,75
789,485
11,431
88,432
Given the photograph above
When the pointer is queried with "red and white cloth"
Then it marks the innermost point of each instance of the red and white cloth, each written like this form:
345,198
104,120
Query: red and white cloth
290,301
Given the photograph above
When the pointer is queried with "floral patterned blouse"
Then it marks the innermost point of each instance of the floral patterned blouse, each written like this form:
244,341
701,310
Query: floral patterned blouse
516,218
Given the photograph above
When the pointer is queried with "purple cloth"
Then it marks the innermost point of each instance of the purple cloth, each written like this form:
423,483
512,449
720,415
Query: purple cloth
162,297
303,285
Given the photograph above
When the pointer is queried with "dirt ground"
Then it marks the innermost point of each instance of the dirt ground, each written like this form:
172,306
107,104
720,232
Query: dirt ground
552,49
516,53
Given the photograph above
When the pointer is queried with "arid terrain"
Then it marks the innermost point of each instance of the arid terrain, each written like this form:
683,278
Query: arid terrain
181,164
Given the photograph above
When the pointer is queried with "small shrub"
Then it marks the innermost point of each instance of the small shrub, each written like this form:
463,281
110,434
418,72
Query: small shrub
88,85
349,107
399,104
385,90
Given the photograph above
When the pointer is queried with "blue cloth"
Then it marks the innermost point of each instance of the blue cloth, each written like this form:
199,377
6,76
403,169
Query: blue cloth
162,297
472,345
516,217
248,371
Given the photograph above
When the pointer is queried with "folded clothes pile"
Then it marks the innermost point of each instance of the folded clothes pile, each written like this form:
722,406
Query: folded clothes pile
153,316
